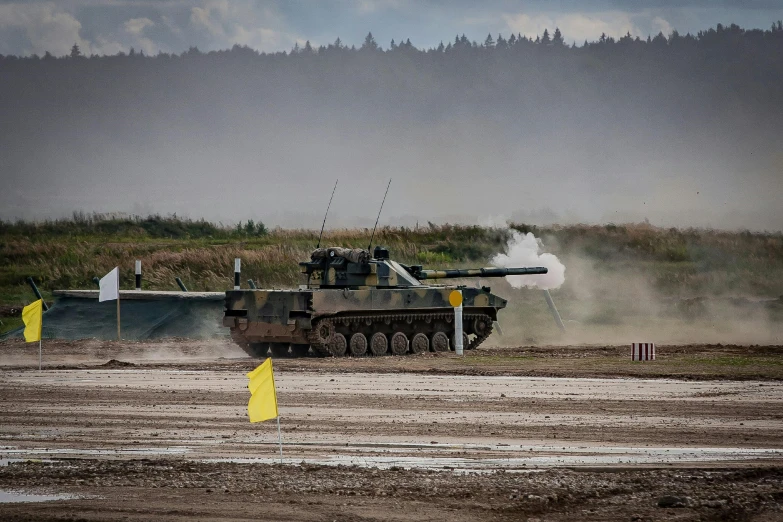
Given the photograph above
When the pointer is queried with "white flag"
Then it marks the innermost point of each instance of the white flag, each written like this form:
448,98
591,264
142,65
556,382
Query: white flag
110,286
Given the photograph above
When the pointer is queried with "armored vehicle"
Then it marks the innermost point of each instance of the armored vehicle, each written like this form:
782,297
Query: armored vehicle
354,304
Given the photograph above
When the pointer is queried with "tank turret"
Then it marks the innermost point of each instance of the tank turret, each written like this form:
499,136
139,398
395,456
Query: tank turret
352,303
354,268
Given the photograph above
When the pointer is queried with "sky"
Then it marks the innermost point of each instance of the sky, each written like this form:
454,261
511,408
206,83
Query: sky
111,26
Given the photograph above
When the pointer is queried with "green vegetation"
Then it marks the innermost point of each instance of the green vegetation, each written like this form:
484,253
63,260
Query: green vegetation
628,266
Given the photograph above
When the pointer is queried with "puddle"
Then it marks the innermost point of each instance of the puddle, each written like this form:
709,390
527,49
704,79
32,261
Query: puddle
563,457
442,464
176,450
7,497
520,458
669,452
465,457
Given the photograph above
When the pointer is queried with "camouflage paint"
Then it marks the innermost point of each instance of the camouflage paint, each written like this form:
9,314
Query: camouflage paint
336,286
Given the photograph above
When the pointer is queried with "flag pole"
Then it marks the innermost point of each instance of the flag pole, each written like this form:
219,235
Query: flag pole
119,337
40,349
280,439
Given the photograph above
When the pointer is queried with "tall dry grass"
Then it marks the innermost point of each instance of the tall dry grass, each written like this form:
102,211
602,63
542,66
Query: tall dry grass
675,262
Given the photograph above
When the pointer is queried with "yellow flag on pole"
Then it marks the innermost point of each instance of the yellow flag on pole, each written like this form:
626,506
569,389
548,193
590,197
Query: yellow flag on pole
32,315
263,398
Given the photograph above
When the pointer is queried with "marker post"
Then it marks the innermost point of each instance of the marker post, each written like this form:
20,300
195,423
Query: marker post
455,300
138,274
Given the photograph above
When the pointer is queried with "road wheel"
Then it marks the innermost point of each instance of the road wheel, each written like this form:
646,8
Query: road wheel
480,326
464,341
440,342
379,344
338,345
324,331
399,344
420,343
358,345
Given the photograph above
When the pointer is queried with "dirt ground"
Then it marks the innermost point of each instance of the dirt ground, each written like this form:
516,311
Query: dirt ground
140,431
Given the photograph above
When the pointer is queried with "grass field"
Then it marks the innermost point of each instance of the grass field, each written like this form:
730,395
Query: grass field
616,275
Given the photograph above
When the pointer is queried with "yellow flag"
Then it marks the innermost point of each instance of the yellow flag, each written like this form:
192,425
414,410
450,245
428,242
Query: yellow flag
263,398
32,315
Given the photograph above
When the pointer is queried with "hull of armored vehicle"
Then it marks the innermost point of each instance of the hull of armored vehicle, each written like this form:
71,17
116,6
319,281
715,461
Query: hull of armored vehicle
372,321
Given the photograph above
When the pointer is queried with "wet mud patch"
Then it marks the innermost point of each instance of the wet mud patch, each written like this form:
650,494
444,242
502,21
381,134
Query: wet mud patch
177,490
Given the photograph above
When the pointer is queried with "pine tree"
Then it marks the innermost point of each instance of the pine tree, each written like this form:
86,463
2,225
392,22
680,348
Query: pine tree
369,43
545,40
660,40
557,39
489,42
75,52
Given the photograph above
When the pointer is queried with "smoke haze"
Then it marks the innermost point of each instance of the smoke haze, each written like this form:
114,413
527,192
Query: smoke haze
679,133
523,251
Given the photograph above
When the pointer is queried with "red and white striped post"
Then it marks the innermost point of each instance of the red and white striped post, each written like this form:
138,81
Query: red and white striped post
643,351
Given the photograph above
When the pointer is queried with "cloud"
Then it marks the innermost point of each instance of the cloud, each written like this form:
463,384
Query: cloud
171,25
209,17
136,26
242,23
659,25
37,28
575,26
372,6
44,26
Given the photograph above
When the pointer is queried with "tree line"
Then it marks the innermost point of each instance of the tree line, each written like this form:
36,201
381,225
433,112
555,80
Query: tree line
720,36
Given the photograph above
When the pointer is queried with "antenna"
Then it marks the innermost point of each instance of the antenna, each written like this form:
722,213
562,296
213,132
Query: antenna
379,215
327,213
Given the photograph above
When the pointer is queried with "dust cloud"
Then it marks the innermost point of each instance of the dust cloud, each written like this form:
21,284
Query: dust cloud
623,306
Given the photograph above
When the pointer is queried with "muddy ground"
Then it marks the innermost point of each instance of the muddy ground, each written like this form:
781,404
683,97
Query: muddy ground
143,431
690,361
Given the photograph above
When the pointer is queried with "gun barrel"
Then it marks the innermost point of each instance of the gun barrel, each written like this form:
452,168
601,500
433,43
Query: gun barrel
480,272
